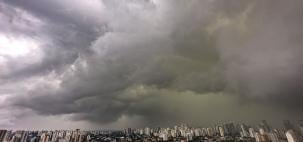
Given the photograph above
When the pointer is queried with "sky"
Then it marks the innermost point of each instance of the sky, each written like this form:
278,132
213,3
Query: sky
113,64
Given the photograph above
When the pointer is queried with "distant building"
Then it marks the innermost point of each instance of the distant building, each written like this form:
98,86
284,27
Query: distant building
265,126
141,132
129,131
273,137
244,131
43,138
197,132
2,135
221,130
291,136
262,131
209,132
251,132
164,136
257,137
147,131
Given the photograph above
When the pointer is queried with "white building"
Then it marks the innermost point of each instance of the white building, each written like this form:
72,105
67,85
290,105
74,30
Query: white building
291,136
273,137
251,132
147,131
221,130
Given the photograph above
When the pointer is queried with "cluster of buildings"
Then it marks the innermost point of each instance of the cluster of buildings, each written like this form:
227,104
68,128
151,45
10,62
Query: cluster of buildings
42,136
227,132
224,132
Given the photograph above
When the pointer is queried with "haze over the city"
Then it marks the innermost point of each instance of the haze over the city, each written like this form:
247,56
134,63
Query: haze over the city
115,64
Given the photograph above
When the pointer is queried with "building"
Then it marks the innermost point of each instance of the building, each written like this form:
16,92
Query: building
244,131
257,137
221,130
2,135
147,131
273,137
291,136
251,132
265,126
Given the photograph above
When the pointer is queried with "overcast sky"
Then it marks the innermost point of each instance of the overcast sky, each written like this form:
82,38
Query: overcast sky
130,63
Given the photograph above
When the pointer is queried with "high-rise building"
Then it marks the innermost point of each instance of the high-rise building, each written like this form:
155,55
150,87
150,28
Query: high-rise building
24,136
20,136
43,137
291,136
129,131
244,130
263,135
221,130
203,132
197,132
141,132
230,129
265,126
262,131
147,131
251,132
209,132
8,136
173,133
163,136
77,136
265,138
2,135
273,137
189,136
257,137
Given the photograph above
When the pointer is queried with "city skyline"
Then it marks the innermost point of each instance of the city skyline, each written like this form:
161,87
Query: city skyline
114,64
225,132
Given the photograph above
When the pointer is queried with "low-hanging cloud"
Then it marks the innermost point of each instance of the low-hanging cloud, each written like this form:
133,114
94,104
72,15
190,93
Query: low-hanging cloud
142,58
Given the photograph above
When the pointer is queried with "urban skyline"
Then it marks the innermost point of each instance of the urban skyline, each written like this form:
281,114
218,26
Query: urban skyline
225,132
116,64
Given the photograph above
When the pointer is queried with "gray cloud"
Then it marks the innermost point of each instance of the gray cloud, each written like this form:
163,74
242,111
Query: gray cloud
62,39
266,65
142,58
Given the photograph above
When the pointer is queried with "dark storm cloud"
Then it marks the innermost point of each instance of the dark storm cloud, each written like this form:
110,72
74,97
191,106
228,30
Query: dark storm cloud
9,16
59,12
64,34
266,64
156,58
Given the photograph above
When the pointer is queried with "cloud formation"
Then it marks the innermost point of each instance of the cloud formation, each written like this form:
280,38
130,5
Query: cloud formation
161,62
